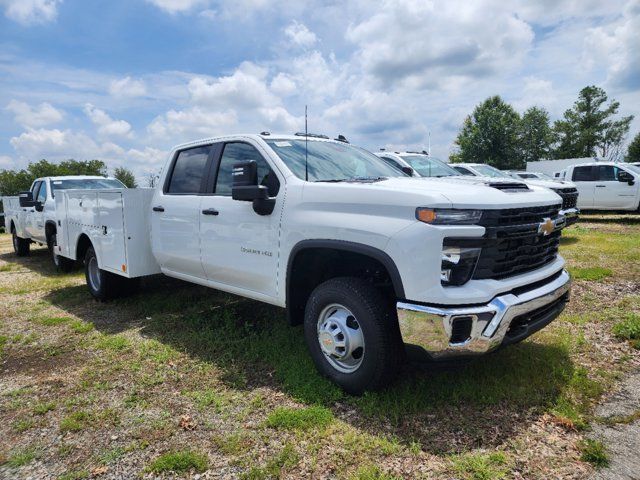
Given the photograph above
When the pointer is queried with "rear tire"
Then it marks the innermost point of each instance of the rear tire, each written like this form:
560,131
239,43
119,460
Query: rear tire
102,285
62,264
343,313
20,245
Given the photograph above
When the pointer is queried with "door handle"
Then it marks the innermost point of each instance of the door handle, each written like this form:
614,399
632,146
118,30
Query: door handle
158,209
600,186
210,211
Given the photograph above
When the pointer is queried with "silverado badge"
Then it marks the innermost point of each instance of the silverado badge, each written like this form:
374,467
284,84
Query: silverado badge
546,227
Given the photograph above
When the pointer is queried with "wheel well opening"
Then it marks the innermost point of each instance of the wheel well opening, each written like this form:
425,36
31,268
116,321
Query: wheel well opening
312,266
83,245
49,229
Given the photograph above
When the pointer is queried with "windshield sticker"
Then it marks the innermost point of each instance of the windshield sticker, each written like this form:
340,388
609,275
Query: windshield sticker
282,144
57,182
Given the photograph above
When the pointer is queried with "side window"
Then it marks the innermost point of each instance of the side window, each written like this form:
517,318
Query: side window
463,170
188,171
42,193
35,189
607,173
582,174
392,162
240,152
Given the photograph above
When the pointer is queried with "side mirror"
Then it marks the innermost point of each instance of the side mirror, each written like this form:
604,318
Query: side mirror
624,176
408,171
39,206
246,189
26,199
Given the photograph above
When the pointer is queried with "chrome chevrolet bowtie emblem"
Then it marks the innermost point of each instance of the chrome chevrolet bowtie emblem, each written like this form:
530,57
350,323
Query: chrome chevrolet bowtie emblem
546,227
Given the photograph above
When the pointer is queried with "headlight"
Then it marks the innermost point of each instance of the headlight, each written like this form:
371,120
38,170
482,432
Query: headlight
458,265
448,216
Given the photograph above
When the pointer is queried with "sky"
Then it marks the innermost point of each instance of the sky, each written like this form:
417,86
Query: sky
125,80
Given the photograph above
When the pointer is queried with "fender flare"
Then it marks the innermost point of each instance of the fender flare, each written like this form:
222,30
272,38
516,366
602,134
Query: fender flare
361,248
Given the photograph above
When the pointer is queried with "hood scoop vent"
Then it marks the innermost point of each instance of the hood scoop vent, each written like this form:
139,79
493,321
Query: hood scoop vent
509,186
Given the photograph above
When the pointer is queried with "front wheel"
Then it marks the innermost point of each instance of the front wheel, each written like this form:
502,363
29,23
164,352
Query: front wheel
352,334
62,264
20,245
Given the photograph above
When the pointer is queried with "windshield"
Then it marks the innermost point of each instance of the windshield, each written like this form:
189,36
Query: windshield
331,161
85,184
429,166
489,171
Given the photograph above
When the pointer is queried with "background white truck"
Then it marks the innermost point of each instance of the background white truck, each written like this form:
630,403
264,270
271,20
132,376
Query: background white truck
31,216
364,260
605,185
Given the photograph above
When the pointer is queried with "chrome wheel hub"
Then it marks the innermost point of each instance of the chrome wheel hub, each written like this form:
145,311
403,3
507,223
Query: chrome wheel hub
340,338
94,274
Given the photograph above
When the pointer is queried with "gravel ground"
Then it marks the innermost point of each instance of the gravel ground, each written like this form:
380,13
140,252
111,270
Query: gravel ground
622,439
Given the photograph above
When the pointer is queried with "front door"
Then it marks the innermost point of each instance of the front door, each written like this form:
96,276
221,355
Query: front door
611,193
38,215
30,213
240,247
175,215
583,178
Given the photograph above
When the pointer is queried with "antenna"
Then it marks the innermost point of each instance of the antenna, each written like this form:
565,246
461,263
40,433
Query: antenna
306,140
429,149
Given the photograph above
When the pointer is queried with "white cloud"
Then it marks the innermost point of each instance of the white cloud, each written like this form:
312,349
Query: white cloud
106,125
184,125
283,85
7,162
31,12
27,116
177,6
41,143
127,87
615,47
419,43
298,34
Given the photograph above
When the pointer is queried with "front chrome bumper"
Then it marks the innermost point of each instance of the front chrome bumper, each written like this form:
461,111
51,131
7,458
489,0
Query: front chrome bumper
446,332
571,214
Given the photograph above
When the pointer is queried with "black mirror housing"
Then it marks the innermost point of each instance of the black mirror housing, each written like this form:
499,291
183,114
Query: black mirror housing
408,171
625,177
246,189
26,199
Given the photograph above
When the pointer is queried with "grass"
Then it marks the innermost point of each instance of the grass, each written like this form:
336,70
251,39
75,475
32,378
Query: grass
75,421
629,327
81,327
591,274
299,418
22,457
594,452
287,458
481,466
23,424
52,321
179,462
372,472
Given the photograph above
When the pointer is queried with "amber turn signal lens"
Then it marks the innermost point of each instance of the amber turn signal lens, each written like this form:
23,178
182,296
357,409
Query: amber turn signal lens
426,215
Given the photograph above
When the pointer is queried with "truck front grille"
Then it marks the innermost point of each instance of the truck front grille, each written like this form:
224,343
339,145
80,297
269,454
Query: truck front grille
511,244
569,197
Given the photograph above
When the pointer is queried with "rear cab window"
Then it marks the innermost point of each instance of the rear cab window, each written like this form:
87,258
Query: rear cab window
188,171
582,174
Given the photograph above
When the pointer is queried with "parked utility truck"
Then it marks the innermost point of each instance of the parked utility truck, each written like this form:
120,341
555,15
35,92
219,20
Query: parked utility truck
364,259
31,217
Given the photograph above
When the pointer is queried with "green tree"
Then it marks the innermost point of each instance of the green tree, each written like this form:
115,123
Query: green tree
588,128
125,176
490,135
633,152
535,135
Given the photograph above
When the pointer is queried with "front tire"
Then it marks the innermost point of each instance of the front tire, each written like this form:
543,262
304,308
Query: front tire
353,335
20,245
62,264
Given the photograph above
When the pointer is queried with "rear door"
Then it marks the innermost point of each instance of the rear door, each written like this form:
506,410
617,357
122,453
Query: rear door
175,215
582,176
240,247
611,193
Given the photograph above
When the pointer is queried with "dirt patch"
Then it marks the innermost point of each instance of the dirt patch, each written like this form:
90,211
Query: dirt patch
38,363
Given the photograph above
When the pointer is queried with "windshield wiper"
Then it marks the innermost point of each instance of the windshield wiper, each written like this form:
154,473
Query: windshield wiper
353,179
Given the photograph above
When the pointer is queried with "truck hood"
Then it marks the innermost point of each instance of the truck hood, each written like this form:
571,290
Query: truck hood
549,183
444,192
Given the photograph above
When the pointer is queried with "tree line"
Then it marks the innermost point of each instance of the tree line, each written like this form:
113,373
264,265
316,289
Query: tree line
495,133
14,181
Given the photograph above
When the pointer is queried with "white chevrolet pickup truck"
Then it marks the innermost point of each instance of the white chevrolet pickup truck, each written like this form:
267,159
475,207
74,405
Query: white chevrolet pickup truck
31,216
365,260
